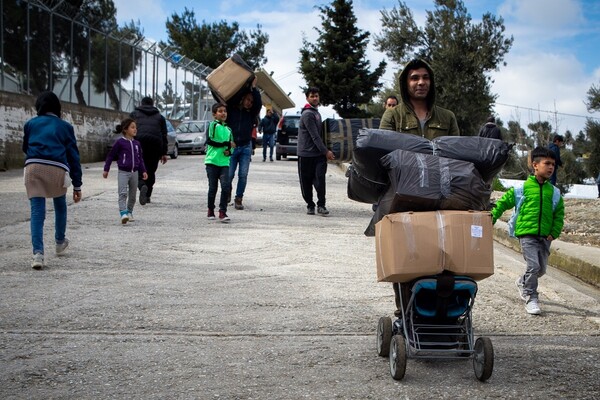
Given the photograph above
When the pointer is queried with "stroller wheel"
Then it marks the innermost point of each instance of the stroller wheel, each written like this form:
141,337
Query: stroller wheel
384,336
483,359
398,357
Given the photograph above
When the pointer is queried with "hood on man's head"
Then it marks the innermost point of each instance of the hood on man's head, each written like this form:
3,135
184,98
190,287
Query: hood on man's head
47,102
412,65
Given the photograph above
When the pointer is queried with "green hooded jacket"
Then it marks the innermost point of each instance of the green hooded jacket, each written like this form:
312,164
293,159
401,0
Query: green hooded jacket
218,142
402,118
537,216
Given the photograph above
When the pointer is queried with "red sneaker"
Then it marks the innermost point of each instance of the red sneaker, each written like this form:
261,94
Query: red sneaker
223,217
210,214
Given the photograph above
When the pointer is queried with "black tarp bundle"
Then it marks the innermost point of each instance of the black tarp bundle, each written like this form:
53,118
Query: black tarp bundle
372,144
488,155
423,182
362,189
410,173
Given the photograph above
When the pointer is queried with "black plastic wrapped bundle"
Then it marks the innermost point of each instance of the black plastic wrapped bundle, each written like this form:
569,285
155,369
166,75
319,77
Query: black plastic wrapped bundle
362,189
423,182
488,155
372,144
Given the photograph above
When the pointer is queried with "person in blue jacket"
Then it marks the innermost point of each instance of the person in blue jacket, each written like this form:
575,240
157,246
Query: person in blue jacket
130,160
51,165
557,143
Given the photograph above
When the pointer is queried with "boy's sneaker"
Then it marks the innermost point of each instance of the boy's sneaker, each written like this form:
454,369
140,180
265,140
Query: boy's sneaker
130,215
310,210
223,217
322,210
38,261
210,214
519,284
61,247
124,218
533,307
143,195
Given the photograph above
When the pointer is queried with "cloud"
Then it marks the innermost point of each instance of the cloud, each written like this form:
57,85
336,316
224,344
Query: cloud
538,82
543,15
539,25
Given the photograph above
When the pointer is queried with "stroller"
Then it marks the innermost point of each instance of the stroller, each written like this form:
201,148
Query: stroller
435,322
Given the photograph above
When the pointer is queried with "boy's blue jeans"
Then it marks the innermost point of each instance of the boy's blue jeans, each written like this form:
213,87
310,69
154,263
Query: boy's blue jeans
241,155
535,251
38,215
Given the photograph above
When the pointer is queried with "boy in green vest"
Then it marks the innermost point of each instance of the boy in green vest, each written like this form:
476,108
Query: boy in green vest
538,220
218,150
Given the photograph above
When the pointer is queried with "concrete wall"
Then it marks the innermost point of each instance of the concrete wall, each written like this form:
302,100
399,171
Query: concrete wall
92,128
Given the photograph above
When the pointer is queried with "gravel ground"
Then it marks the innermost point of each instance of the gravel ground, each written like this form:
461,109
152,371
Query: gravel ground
274,305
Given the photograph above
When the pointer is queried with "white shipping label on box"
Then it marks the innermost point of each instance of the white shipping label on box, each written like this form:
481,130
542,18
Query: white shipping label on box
476,231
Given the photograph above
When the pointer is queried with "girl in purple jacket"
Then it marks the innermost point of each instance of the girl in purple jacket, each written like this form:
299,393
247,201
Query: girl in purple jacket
128,153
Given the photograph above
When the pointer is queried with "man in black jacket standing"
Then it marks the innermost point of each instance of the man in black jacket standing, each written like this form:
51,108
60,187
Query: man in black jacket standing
152,134
490,129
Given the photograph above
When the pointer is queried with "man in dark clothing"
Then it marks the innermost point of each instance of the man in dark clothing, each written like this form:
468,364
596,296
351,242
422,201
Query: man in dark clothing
268,127
490,129
152,134
555,146
312,154
241,119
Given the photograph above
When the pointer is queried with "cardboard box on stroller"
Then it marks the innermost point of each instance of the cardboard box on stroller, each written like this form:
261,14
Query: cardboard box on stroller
414,244
229,78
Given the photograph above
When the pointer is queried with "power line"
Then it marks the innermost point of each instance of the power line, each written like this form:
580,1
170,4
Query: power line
549,112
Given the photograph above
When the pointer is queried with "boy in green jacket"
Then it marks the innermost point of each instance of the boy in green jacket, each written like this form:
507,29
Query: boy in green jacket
538,220
218,150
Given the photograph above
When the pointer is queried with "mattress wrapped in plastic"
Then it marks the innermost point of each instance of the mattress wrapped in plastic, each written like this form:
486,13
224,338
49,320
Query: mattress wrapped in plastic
372,144
340,135
488,155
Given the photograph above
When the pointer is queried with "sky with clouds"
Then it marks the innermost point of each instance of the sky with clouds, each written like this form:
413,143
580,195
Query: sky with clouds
552,64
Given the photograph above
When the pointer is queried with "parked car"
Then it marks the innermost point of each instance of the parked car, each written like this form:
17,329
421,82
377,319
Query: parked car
173,149
173,146
259,138
287,136
191,136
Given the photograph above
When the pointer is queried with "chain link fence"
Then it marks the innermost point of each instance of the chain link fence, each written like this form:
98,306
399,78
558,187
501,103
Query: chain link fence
69,47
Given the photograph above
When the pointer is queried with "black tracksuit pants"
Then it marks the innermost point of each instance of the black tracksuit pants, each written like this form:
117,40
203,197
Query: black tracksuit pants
312,171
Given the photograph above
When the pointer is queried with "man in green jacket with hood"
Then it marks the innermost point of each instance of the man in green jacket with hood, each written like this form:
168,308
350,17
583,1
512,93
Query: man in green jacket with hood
417,113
